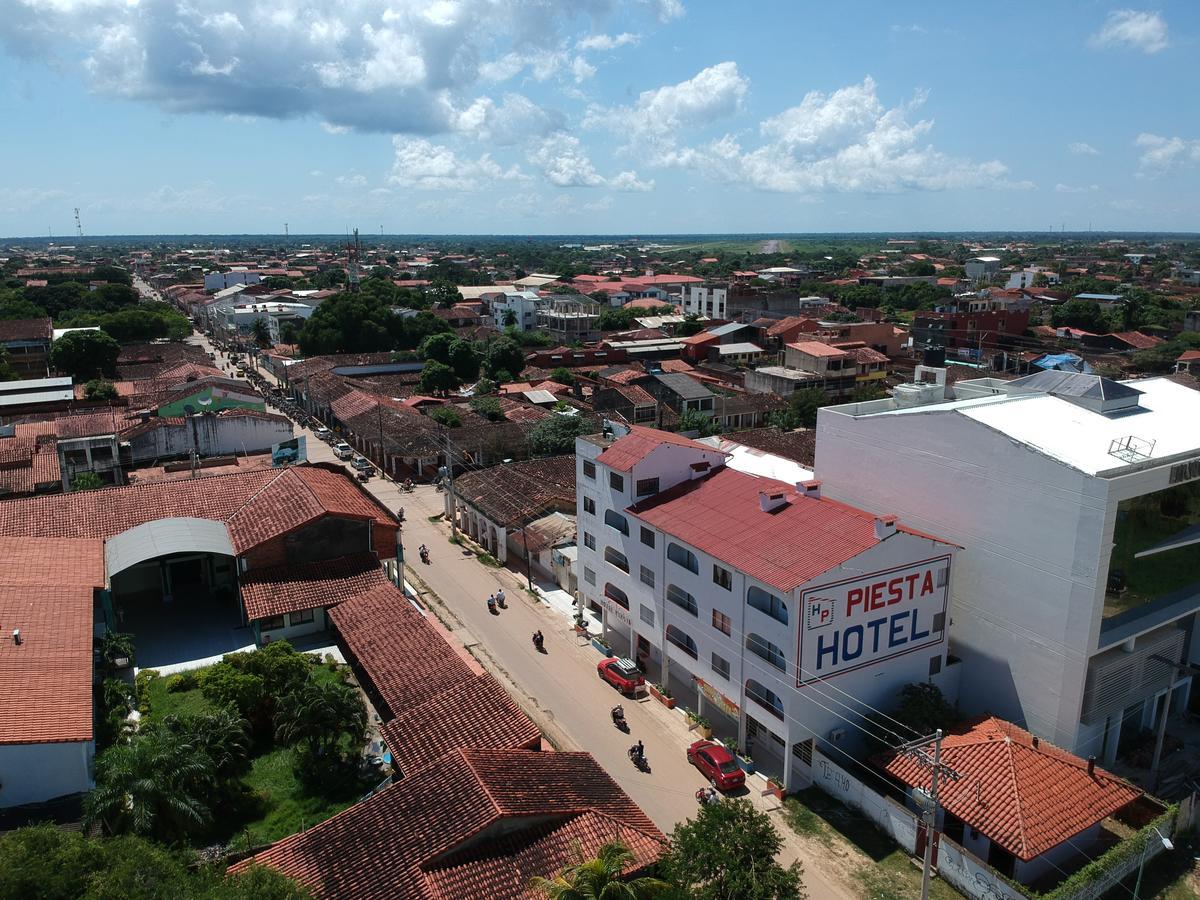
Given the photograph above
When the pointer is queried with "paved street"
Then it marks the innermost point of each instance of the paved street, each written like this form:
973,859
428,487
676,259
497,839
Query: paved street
559,689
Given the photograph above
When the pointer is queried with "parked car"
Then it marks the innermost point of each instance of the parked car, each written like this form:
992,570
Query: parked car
621,673
717,764
324,433
342,450
363,464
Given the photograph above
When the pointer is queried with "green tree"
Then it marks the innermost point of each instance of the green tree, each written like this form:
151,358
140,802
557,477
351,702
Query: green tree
437,347
488,407
7,372
920,708
563,375
801,411
154,785
690,325
437,379
446,415
464,360
728,850
1082,314
503,355
99,389
85,355
599,878
319,716
866,392
694,420
87,481
222,735
555,434
224,685
443,293
261,332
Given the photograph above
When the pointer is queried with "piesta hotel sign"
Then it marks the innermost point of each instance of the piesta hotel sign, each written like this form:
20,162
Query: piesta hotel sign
864,620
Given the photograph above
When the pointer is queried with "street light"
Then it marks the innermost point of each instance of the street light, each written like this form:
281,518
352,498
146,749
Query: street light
1167,845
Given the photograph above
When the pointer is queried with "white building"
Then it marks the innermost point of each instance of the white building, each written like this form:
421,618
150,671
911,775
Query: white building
760,604
524,306
1077,500
218,281
239,319
982,268
702,301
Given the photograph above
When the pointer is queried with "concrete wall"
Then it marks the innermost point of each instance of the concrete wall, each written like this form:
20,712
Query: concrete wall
970,875
211,436
889,816
34,773
289,631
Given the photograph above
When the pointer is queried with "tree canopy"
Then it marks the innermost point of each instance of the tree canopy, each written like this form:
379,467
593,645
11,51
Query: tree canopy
503,355
555,434
85,355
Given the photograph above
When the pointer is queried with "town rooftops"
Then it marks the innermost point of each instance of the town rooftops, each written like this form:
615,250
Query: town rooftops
515,493
722,515
627,451
1024,794
816,348
282,589
477,823
26,330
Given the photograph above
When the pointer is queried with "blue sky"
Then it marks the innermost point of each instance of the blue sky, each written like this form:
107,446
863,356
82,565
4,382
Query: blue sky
595,116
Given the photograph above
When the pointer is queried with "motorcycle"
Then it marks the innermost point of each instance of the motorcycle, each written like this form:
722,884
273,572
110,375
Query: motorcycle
637,756
707,797
539,642
618,717
424,556
406,487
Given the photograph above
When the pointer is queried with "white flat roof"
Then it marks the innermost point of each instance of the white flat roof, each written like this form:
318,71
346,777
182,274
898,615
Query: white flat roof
759,462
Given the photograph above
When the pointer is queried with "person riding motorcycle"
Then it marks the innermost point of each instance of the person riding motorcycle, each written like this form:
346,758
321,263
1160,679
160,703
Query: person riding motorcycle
538,640
637,752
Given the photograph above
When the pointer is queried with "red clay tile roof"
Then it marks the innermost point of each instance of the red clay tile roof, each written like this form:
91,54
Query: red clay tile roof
46,588
476,824
476,713
512,494
816,348
1025,798
1189,356
28,461
25,330
631,449
720,515
402,654
352,404
796,323
1137,340
282,589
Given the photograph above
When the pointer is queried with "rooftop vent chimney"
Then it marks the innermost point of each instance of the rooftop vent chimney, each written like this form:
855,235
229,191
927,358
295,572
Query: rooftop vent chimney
885,527
17,636
771,502
811,488
1035,742
1091,765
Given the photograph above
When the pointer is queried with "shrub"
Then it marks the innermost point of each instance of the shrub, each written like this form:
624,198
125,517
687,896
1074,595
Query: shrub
141,683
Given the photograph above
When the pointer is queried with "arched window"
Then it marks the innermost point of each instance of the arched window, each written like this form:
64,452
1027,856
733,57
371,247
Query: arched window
767,603
764,697
682,599
682,556
615,557
616,595
614,519
682,640
768,651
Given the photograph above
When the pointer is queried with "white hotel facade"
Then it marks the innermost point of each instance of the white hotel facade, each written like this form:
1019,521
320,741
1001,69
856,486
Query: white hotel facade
770,610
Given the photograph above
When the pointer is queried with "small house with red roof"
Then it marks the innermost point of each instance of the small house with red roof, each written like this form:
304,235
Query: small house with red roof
1025,807
1189,361
747,596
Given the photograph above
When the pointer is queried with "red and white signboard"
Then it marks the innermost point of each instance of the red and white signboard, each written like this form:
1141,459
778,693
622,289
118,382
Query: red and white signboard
863,620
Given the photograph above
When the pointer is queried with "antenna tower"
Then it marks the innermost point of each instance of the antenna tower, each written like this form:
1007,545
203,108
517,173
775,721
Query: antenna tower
78,226
352,252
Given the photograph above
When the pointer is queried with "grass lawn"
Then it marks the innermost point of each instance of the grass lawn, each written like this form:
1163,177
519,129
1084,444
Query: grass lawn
163,703
891,876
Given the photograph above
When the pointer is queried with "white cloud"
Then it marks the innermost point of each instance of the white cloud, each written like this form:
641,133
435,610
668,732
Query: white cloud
24,200
909,29
334,129
355,181
1082,148
392,66
629,181
607,41
846,141
1130,28
565,163
1164,154
515,119
422,164
1061,188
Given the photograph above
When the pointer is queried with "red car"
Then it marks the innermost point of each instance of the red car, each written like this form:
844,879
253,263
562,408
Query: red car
621,673
716,764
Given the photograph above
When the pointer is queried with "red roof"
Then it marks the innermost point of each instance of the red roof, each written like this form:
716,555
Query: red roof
25,330
476,824
793,323
1026,795
476,713
816,348
1189,356
631,449
1137,340
46,588
720,514
283,589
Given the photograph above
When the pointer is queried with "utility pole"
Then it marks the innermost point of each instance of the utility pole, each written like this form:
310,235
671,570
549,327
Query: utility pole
450,487
917,750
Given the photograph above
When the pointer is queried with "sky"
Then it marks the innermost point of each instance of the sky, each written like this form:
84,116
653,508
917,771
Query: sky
596,116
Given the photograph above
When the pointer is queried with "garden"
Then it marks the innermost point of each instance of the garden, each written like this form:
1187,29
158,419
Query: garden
239,754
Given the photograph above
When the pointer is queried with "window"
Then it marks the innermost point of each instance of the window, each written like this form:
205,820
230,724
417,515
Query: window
646,486
615,557
720,665
935,665
647,536
614,519
682,640
616,595
764,697
589,541
647,576
802,750
682,599
723,577
722,622
589,575
303,617
681,556
767,603
589,505
589,469
271,624
616,481
647,615
768,651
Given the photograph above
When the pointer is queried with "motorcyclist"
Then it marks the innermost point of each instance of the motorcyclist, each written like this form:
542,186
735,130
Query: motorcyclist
408,485
424,551
538,640
618,713
637,752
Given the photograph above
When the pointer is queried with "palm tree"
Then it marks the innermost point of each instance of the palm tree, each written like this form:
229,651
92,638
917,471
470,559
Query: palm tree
221,734
599,878
155,785
261,332
319,713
